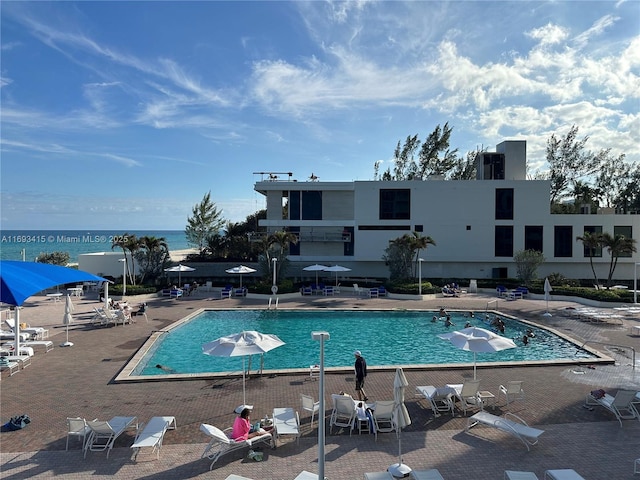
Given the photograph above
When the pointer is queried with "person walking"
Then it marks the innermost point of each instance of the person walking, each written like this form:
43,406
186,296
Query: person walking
361,373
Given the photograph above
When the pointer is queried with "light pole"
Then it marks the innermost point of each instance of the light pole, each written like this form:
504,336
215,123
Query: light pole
420,260
124,276
321,336
274,287
635,283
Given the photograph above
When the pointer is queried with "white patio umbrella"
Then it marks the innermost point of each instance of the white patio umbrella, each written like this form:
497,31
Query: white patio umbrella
240,270
315,268
245,343
547,294
402,419
477,340
337,268
179,268
67,319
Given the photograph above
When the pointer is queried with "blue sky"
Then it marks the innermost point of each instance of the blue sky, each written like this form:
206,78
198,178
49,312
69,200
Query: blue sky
123,115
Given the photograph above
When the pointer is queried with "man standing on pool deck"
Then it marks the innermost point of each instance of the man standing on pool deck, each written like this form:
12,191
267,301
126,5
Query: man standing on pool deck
361,373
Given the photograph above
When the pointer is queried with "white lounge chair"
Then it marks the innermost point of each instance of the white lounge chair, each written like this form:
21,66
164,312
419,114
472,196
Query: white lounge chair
343,413
621,405
467,393
512,391
11,336
432,474
104,434
518,428
563,474
23,360
35,332
439,399
221,444
378,476
152,434
515,475
47,344
383,416
13,367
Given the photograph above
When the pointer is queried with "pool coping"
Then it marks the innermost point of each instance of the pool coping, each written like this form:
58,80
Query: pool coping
125,375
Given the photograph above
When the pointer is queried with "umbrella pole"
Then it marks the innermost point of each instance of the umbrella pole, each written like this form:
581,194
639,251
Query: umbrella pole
474,365
244,396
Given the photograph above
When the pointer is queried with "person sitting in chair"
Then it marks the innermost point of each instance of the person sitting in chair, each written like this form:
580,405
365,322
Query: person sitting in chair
242,427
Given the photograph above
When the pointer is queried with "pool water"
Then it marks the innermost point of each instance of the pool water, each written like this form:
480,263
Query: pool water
386,338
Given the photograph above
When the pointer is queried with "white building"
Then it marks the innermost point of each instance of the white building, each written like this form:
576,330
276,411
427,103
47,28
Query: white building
478,225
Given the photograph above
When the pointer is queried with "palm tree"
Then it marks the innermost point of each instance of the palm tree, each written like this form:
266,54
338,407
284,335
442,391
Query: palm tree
281,239
152,254
419,243
617,246
593,242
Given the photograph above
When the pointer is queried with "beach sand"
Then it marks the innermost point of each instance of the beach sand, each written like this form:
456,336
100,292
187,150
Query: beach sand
180,255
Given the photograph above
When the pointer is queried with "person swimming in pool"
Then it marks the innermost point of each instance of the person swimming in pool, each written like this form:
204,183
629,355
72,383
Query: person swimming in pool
165,368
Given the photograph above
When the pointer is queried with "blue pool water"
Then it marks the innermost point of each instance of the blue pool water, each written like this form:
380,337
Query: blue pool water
386,338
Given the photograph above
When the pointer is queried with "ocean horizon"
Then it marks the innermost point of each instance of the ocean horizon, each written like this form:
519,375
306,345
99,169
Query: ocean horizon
75,242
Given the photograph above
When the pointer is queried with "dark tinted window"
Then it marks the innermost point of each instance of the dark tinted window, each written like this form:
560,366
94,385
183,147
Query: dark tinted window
395,204
504,241
533,237
563,241
504,203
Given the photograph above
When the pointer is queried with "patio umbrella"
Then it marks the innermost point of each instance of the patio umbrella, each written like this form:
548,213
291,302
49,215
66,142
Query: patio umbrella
67,319
402,419
20,280
179,268
245,343
337,268
547,294
477,340
315,268
240,270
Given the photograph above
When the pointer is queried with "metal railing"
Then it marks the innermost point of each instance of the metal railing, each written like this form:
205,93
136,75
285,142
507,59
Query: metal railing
606,344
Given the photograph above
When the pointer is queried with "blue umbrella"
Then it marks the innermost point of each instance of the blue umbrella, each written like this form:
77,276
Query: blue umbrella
20,280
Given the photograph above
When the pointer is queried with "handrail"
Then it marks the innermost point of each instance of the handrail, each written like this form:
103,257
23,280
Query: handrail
633,356
489,303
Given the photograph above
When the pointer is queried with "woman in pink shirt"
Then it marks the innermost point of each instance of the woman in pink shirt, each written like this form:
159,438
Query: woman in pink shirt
242,427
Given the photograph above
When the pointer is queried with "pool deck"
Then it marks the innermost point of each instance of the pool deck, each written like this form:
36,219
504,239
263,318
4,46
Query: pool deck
78,381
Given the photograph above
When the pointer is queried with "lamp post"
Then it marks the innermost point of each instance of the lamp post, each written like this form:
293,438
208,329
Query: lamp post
635,283
321,336
274,287
420,260
124,276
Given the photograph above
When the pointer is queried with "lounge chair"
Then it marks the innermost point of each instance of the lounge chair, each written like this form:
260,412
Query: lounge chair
47,344
152,434
306,290
241,292
439,399
383,417
357,290
221,444
77,427
382,292
23,360
6,364
432,474
502,291
35,332
310,405
563,474
516,475
378,476
11,336
518,428
104,434
467,394
176,293
512,391
226,292
343,414
373,292
285,422
621,405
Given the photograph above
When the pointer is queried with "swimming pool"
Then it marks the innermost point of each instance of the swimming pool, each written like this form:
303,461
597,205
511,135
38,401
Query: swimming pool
386,338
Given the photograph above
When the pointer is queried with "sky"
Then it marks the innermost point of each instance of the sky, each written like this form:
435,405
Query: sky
123,115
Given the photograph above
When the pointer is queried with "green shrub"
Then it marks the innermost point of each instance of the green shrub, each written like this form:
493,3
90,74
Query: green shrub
132,289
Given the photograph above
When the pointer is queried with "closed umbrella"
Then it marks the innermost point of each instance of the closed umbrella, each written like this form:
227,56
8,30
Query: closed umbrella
547,294
67,319
477,340
315,268
242,344
337,269
402,419
179,268
240,270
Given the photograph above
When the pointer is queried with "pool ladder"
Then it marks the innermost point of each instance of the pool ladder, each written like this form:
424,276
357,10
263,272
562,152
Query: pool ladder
275,304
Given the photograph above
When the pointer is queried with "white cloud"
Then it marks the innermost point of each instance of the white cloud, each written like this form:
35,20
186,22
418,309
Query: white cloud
550,34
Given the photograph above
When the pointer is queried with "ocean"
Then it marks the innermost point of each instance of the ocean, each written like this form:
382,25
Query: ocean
75,242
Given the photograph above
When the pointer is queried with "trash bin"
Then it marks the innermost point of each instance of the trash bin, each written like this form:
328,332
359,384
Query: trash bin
473,286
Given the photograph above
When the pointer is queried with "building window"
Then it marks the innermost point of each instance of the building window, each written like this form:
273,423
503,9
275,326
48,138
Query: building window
312,205
395,204
627,232
504,241
504,203
493,166
294,248
563,241
294,205
533,237
419,228
596,252
348,246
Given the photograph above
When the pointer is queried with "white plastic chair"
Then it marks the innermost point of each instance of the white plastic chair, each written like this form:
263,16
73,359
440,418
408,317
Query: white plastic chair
343,414
383,416
512,391
77,427
309,405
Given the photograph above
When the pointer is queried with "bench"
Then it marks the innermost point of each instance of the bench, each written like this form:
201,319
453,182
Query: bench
518,428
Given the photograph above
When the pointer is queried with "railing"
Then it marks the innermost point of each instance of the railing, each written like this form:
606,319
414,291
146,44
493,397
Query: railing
489,303
633,350
310,237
